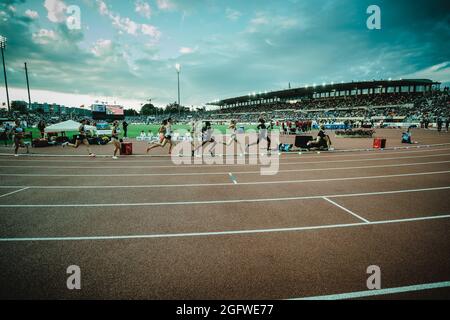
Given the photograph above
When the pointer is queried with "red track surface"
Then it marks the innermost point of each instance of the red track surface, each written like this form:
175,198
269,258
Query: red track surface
144,228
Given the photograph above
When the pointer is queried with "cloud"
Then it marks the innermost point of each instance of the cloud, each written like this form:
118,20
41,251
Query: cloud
260,19
31,14
125,24
232,15
438,72
165,4
143,8
44,36
102,48
128,26
151,31
302,42
102,8
56,10
187,50
271,22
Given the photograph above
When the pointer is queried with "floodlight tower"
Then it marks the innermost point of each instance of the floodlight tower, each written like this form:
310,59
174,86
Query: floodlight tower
178,68
3,41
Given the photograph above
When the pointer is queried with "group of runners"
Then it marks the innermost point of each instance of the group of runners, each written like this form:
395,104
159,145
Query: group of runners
200,135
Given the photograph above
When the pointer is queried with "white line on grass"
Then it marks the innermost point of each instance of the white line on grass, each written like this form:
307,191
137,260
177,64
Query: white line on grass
223,184
210,202
222,233
371,293
346,210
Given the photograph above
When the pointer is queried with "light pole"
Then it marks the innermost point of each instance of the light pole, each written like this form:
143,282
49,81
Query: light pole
28,87
3,47
178,68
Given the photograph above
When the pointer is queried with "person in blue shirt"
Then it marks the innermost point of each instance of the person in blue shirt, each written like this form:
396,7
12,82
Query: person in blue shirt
406,137
18,133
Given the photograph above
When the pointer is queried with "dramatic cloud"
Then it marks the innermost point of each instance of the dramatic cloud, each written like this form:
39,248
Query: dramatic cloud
226,48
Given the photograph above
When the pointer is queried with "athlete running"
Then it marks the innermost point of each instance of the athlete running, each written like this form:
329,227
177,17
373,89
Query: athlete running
207,137
262,134
18,133
115,138
233,128
165,132
81,139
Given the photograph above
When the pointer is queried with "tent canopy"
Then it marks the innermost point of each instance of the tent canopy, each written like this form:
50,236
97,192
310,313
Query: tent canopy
65,126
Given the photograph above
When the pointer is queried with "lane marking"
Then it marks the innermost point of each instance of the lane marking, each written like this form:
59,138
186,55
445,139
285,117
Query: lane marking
346,210
223,184
198,173
371,293
209,202
173,166
222,233
10,193
233,178
329,154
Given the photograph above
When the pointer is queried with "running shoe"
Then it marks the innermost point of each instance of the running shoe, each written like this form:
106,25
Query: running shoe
65,144
92,155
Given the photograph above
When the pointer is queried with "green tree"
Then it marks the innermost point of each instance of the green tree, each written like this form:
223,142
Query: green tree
130,113
149,110
19,106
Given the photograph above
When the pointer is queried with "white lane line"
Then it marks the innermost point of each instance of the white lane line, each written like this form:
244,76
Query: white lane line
10,193
222,233
173,166
221,173
346,210
371,293
233,178
223,184
329,154
199,173
210,202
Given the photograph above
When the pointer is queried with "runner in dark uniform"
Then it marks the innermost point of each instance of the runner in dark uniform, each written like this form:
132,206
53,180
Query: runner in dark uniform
263,134
207,137
81,139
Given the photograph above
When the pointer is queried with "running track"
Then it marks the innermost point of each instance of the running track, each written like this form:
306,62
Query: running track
144,228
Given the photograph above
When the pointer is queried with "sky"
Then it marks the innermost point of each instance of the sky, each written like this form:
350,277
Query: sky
125,51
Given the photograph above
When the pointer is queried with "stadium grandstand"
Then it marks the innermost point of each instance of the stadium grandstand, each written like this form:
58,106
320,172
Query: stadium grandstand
403,100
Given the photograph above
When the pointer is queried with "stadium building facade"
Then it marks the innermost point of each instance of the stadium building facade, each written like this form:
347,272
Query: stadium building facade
57,109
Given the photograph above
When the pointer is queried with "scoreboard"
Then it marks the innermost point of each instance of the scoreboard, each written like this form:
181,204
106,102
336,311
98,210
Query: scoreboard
107,112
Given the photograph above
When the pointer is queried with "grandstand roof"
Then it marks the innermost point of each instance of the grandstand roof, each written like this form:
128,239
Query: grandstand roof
309,90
